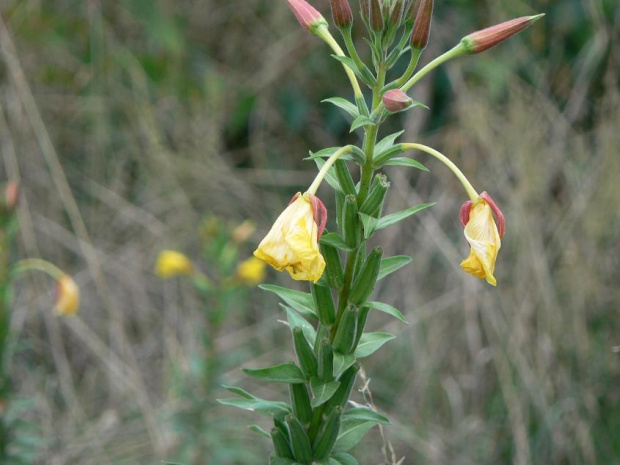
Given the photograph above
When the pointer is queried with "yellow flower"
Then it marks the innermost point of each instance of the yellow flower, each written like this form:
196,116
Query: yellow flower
171,263
292,243
68,296
251,271
483,236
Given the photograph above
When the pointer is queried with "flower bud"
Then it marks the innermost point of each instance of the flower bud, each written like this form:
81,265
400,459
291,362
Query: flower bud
307,15
243,232
344,178
326,360
412,11
341,13
422,25
484,39
367,277
396,16
396,100
67,296
251,271
325,440
365,10
362,316
376,16
171,263
373,205
280,444
300,400
10,199
299,440
324,304
345,335
341,396
305,354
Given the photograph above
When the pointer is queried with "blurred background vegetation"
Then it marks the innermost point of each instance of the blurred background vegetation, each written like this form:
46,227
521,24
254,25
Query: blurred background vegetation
129,121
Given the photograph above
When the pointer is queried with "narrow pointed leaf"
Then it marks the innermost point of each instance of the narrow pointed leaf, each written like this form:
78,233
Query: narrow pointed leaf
369,223
322,391
336,241
285,373
300,301
344,104
391,264
371,342
366,414
343,459
386,308
394,218
258,430
342,362
361,121
296,320
387,142
351,432
264,407
240,392
404,161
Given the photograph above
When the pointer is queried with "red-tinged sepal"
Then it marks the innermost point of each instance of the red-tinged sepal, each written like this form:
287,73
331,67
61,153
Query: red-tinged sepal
499,216
320,213
465,211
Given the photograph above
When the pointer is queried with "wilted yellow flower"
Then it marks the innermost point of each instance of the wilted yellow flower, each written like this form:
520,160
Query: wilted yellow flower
171,263
483,236
68,296
292,243
251,271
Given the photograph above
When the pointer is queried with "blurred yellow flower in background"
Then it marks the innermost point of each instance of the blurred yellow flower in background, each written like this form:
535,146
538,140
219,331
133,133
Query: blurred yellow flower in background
251,271
171,263
483,236
68,296
292,242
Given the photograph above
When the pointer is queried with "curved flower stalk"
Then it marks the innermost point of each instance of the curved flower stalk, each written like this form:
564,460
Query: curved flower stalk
328,323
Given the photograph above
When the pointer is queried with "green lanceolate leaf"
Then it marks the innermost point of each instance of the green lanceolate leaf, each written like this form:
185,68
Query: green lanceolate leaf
281,444
331,175
322,391
364,75
328,152
260,431
285,373
361,121
342,363
342,458
369,224
295,320
264,407
371,342
344,176
273,460
300,301
391,264
386,308
366,414
394,218
387,142
344,104
342,394
404,161
351,432
240,392
335,241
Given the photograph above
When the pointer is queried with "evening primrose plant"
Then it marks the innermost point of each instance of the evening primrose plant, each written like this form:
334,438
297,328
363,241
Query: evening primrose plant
319,424
18,438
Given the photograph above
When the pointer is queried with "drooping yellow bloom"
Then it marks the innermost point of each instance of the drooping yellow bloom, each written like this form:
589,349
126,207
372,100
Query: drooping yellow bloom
292,243
171,263
68,296
483,236
251,271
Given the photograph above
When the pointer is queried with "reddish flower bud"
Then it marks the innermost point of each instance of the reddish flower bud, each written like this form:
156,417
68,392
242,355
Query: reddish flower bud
484,39
396,17
365,10
376,16
306,14
11,197
422,25
396,100
341,12
412,11
501,220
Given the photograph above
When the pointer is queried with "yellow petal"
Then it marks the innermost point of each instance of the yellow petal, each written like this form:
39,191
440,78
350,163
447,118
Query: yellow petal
483,237
171,263
68,296
292,243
